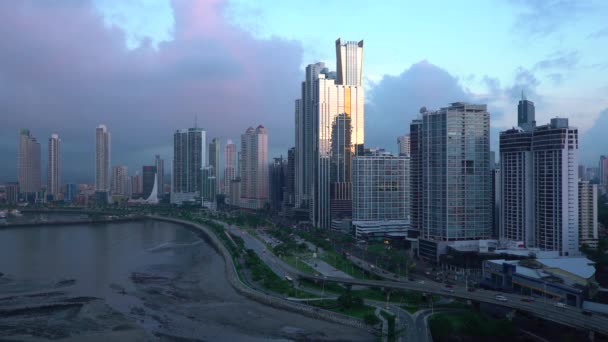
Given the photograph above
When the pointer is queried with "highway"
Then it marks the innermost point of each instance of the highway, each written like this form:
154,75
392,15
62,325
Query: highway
569,316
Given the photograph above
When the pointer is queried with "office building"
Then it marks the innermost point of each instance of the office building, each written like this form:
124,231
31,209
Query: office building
555,158
517,214
160,175
587,214
53,182
304,113
229,166
416,174
291,173
381,191
71,190
235,192
208,186
136,185
148,180
12,193
278,183
254,168
214,162
403,142
337,134
188,161
29,165
602,173
102,159
456,183
120,176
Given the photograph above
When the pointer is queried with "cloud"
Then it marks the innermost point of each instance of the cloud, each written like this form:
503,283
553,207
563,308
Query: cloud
593,142
68,78
544,17
393,102
599,34
559,60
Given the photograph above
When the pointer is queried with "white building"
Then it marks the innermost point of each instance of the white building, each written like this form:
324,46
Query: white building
254,168
120,180
403,143
102,159
555,154
28,163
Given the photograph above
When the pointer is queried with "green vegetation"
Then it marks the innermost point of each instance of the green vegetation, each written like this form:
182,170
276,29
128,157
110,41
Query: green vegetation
470,324
411,308
408,297
261,272
357,311
298,264
390,319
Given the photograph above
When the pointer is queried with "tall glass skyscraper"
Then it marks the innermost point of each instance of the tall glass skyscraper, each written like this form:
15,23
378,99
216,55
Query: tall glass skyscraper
457,198
53,182
254,168
214,162
188,161
102,159
29,164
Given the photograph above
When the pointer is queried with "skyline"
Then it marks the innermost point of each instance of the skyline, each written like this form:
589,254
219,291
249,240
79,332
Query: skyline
60,88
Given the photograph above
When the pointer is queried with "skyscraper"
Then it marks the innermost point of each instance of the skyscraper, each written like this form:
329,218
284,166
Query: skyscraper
304,113
277,182
148,180
603,173
53,182
214,162
517,213
416,174
337,134
160,172
120,182
291,174
526,114
102,159
555,155
29,165
188,160
229,165
254,168
456,183
136,185
404,145
587,214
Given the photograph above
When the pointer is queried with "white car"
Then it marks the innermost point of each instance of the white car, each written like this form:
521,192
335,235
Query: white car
560,305
501,298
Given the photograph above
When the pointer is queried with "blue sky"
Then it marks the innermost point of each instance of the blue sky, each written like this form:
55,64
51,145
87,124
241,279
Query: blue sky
150,67
563,43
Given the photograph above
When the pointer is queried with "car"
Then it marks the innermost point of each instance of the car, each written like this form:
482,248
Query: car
587,313
421,282
501,298
527,299
447,289
560,305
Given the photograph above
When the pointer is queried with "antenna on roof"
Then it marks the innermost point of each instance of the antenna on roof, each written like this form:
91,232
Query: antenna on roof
523,96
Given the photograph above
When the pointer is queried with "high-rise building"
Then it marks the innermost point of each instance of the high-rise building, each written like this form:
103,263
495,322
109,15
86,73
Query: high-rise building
582,172
136,185
160,172
587,214
555,158
120,176
53,182
381,187
102,159
603,173
291,173
456,183
304,113
188,161
149,178
403,142
12,193
517,214
278,182
229,165
214,162
71,190
254,168
235,192
526,114
337,134
29,165
208,185
416,174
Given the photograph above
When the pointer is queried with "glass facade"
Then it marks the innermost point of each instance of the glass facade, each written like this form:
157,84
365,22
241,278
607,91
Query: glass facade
456,180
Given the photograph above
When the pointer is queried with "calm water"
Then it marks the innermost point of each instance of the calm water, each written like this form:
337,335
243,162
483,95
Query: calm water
183,291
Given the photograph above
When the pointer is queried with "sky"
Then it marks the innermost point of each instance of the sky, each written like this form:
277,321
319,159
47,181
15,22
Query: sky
146,68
